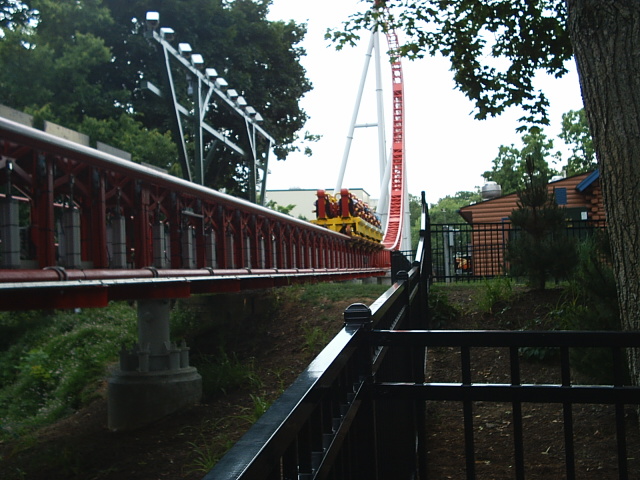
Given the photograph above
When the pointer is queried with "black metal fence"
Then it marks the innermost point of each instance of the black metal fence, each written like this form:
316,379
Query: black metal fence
359,410
465,252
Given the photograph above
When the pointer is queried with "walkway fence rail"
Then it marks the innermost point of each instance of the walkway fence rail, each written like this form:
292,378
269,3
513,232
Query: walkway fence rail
359,409
465,252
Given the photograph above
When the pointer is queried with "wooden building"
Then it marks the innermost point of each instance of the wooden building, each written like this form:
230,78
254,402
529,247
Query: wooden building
580,195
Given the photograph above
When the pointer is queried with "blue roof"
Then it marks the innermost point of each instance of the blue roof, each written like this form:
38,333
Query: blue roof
586,183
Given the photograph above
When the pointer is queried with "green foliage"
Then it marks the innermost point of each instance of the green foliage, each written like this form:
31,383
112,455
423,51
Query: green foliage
576,134
590,303
495,48
130,135
494,291
415,213
506,170
56,362
273,205
315,338
446,210
260,405
327,293
224,373
206,452
80,63
509,167
539,248
441,312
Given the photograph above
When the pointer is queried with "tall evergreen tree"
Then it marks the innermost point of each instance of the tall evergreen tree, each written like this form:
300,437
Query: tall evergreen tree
539,248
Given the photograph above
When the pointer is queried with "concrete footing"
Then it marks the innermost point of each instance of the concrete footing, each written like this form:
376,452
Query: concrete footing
154,378
136,399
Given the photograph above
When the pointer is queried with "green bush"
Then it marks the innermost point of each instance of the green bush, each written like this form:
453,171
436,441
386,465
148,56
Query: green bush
590,303
494,291
57,362
224,373
441,312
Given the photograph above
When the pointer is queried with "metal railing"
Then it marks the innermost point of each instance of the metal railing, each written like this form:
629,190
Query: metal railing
466,252
470,390
359,409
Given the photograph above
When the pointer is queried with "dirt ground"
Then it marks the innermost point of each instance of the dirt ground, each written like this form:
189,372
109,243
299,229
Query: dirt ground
184,445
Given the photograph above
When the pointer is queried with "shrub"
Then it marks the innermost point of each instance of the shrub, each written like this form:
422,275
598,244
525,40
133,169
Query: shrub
59,362
494,291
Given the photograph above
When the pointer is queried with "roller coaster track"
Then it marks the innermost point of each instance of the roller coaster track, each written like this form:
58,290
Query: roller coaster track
397,183
80,227
393,194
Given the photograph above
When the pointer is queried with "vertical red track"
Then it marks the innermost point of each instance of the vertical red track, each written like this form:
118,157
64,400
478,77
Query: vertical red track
393,235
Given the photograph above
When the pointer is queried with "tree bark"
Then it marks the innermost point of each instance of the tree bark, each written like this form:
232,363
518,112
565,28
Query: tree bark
605,35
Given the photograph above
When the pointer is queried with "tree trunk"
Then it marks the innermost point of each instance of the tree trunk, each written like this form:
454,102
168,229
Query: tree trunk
605,35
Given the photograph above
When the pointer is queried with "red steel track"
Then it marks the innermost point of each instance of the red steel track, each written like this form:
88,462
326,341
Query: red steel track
393,234
209,241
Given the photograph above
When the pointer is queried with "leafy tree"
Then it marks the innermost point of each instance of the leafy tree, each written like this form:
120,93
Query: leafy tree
445,211
509,166
540,247
507,169
497,47
12,14
75,60
576,134
129,134
273,205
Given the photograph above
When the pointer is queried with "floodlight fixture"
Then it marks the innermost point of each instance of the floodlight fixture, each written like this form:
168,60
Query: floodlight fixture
211,74
197,61
184,49
167,34
221,83
153,20
241,102
232,94
258,118
250,111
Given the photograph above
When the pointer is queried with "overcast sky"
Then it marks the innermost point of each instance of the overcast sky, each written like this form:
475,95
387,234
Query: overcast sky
447,150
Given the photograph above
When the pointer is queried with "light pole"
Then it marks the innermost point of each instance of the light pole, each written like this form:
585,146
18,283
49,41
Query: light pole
205,85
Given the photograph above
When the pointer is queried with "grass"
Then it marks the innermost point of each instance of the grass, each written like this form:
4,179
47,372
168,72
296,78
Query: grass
208,449
325,293
494,291
315,338
224,373
56,362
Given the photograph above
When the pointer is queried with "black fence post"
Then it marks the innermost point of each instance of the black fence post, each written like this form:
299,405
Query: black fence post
399,262
364,441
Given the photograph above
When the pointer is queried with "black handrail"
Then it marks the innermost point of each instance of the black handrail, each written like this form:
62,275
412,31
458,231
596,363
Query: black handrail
326,422
359,409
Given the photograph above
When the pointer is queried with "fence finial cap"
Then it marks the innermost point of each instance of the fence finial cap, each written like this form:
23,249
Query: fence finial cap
357,313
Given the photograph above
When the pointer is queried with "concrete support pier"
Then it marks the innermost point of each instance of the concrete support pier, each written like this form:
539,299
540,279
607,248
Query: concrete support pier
154,378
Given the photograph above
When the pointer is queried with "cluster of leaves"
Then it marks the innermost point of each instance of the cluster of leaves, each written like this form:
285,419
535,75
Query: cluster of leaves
80,64
441,312
495,47
223,373
509,166
495,291
53,363
590,303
